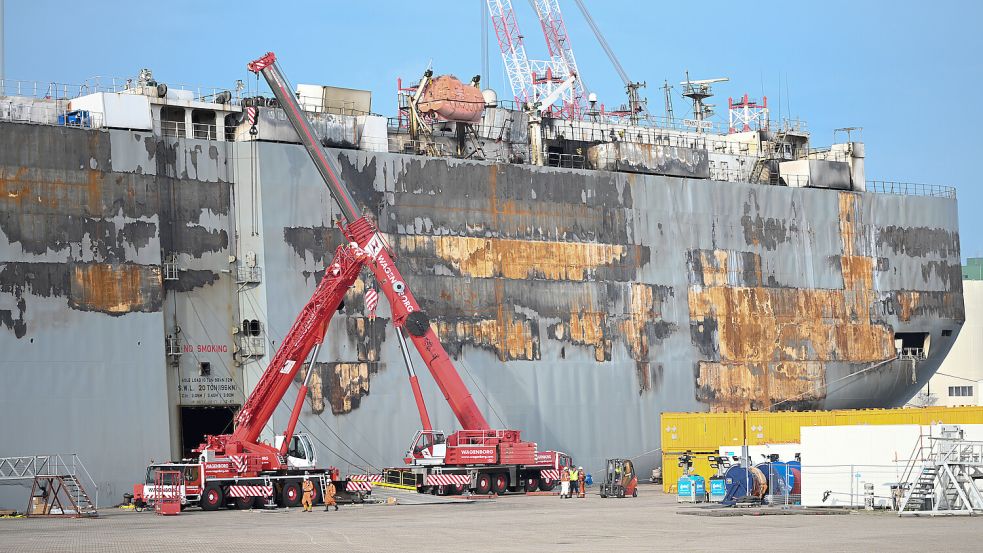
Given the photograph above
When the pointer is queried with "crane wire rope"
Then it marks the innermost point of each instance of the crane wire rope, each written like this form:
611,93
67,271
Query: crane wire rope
269,338
282,402
464,365
270,335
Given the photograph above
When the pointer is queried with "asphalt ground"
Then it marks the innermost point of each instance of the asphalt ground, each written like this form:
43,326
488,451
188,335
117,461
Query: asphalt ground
651,522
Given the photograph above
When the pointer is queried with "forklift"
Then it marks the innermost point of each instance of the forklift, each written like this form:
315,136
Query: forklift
620,480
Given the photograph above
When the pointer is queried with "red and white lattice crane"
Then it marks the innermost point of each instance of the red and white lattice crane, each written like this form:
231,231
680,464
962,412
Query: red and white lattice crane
561,56
533,81
510,41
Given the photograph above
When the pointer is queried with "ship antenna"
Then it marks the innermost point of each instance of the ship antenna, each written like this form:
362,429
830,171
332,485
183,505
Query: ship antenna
1,47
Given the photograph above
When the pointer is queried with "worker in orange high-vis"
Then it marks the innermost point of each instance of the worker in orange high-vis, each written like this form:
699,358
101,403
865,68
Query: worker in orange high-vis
582,481
329,493
564,483
308,488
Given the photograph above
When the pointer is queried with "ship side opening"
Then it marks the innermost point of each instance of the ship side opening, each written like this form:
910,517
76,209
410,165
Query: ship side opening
912,345
172,121
198,422
203,124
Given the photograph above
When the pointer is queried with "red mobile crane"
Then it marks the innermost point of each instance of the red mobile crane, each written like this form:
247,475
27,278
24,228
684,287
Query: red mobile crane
237,467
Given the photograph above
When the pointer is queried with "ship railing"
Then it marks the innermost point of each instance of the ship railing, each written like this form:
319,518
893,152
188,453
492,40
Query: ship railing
173,346
826,154
44,113
789,125
911,189
399,125
248,275
178,129
43,90
315,104
65,91
252,346
729,174
913,354
200,131
655,136
207,94
568,161
742,174
418,147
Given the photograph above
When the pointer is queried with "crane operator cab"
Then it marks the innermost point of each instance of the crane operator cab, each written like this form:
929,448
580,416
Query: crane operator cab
301,453
429,448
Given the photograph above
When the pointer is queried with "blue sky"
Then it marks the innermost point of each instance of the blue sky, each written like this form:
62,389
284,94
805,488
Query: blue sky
908,72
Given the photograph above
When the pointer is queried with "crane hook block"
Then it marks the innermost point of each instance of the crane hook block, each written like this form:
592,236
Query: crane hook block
417,323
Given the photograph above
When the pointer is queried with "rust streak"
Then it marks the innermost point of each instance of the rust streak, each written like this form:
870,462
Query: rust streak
518,259
509,337
114,288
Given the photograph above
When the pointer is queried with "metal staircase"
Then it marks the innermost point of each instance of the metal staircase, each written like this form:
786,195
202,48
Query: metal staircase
60,496
56,484
944,482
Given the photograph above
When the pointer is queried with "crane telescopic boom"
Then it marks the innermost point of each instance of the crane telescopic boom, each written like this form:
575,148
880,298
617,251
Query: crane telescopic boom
362,232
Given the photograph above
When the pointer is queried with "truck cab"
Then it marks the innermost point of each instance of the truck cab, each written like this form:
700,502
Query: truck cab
301,453
429,447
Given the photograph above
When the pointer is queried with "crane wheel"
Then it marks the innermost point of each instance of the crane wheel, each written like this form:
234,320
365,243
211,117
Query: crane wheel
243,503
531,484
483,484
291,494
500,482
212,498
547,484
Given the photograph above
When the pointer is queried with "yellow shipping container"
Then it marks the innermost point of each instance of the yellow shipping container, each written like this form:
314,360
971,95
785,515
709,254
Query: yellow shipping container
953,415
782,427
878,416
710,431
704,433
671,471
701,431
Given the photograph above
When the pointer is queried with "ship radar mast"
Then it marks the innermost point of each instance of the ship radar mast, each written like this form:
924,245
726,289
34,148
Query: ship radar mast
697,92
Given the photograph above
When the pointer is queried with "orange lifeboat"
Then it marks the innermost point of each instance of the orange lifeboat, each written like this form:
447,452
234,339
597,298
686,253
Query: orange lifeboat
451,100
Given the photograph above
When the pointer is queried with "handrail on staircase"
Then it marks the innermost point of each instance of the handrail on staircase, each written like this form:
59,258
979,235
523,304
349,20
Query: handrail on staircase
26,467
917,455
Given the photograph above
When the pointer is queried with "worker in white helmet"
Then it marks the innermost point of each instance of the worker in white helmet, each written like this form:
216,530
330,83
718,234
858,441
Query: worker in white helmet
582,482
564,482
308,500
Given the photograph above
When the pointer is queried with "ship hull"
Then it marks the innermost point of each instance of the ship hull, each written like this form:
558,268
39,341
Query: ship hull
578,305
